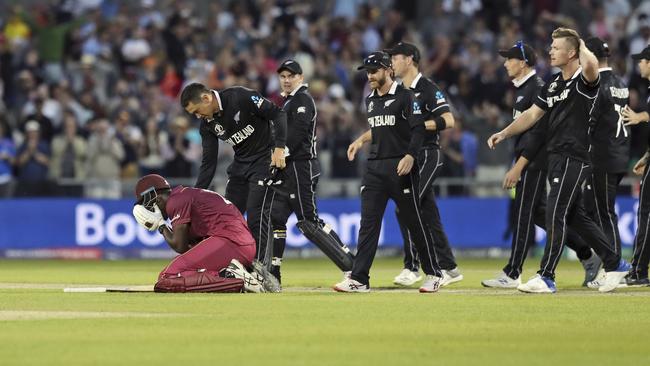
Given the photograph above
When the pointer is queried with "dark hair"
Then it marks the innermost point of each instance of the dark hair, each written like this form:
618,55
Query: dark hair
192,93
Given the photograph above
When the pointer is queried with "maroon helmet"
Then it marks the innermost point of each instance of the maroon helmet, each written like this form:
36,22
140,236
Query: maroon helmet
147,187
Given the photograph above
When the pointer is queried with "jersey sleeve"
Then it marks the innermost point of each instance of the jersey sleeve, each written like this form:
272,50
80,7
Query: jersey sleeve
540,99
209,157
589,90
535,139
267,110
179,209
436,102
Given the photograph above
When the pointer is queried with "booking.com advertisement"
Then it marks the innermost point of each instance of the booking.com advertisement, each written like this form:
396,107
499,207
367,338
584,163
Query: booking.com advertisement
93,229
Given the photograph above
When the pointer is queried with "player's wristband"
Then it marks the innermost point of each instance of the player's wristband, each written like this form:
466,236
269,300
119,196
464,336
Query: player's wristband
441,124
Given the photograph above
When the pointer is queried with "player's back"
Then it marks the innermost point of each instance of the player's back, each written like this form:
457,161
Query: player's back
208,214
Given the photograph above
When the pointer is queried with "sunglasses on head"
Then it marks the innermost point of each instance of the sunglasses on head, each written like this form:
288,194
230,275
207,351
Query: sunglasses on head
520,45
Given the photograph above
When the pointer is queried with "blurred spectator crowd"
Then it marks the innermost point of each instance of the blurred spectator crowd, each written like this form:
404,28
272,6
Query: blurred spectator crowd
89,88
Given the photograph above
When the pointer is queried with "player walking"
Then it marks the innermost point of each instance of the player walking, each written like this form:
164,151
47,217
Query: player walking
396,134
437,115
568,98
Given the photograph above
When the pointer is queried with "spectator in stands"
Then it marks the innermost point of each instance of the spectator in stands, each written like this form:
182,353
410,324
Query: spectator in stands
7,158
69,158
33,163
179,152
150,152
105,153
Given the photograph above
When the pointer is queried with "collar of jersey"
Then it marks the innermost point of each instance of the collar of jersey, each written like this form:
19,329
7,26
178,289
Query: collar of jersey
391,91
415,81
519,82
283,94
216,94
604,69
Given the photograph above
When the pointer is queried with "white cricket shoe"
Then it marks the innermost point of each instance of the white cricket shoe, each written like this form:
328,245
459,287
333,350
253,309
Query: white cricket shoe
613,278
503,281
431,284
538,285
346,275
599,281
450,276
407,277
251,282
350,285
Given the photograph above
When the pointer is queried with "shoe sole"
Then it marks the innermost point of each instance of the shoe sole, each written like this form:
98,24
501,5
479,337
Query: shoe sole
349,292
404,283
425,291
499,286
547,291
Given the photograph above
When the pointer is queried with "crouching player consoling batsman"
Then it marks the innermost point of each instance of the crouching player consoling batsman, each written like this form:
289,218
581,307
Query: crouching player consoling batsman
210,234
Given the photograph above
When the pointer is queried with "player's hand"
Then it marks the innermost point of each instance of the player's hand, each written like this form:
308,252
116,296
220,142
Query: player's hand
511,178
639,167
405,165
354,147
495,139
630,117
150,220
277,158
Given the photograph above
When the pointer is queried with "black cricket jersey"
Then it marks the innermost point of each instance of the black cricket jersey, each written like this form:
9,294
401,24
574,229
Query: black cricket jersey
610,139
568,104
433,102
249,122
301,124
396,123
531,143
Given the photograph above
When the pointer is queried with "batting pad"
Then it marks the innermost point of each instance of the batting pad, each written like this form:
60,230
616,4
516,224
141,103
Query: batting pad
136,288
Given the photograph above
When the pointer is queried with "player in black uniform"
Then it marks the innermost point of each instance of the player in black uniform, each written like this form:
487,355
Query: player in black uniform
396,134
297,189
568,99
256,128
638,276
437,116
528,175
610,149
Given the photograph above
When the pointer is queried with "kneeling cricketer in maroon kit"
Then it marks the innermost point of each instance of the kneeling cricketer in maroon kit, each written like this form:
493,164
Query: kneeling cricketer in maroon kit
207,231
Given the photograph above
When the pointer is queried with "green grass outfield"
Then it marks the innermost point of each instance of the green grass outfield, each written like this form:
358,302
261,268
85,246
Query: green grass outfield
463,324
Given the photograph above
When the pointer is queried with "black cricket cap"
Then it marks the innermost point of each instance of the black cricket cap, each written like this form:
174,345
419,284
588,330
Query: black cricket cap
599,47
291,66
520,51
405,49
645,54
376,60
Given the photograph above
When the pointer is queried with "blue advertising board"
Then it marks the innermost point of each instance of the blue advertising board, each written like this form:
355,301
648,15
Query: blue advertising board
31,224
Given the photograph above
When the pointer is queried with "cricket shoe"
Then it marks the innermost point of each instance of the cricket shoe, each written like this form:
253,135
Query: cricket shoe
450,276
346,275
265,277
613,278
538,285
503,281
634,280
237,270
350,285
592,266
431,284
407,277
598,281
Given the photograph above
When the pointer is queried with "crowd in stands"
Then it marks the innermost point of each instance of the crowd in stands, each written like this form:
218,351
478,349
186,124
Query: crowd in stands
89,88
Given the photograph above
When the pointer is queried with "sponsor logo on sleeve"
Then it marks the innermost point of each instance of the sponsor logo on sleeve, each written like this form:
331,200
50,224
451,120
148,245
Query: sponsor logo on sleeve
440,98
257,100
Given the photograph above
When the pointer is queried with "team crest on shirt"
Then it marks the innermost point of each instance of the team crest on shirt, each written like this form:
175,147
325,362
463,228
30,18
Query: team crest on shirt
370,106
388,102
236,117
417,95
552,87
416,108
519,98
257,100
219,129
440,98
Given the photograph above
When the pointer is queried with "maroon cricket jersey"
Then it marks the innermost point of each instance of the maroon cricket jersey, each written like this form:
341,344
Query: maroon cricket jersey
208,214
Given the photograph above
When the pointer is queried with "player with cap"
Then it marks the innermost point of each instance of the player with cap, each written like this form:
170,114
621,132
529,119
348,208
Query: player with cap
638,276
528,175
396,134
256,129
610,149
207,231
568,98
437,115
296,191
